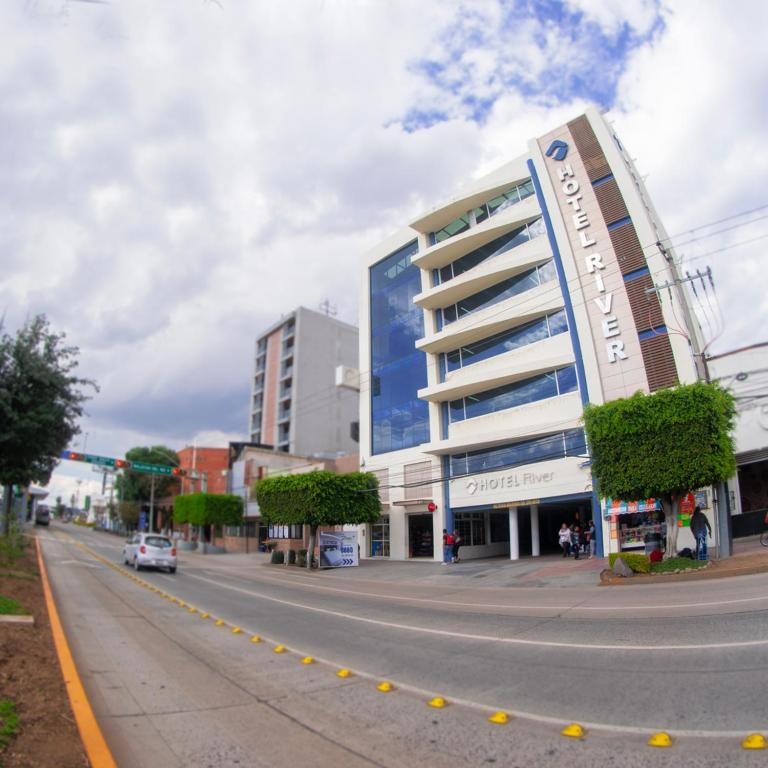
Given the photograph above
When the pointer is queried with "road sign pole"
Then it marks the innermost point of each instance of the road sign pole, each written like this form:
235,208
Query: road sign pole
152,505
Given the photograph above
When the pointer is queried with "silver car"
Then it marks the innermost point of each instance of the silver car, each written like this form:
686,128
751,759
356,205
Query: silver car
150,549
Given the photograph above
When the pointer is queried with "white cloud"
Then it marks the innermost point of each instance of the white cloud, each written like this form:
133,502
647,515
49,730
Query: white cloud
176,175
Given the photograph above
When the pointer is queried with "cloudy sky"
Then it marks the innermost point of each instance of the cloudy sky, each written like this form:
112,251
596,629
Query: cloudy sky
175,175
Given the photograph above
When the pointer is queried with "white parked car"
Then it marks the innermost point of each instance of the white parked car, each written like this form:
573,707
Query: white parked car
150,549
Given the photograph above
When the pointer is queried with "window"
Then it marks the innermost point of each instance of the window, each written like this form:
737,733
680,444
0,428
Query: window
471,528
398,370
557,446
380,537
481,213
506,242
418,480
506,341
286,531
550,384
525,281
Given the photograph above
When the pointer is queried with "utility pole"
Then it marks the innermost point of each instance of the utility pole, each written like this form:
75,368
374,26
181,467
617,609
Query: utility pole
152,504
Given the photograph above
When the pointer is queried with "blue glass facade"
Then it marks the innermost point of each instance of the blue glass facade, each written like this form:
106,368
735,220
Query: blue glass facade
398,370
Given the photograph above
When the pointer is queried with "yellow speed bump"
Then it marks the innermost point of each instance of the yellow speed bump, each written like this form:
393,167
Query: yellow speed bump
308,660
500,718
204,615
573,731
437,703
344,673
660,739
220,622
754,741
236,630
192,609
280,649
182,604
255,639
385,687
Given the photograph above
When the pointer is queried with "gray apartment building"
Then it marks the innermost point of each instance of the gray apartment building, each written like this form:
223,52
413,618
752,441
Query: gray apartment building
296,406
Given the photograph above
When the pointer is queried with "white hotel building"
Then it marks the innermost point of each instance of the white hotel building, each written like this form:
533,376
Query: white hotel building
487,323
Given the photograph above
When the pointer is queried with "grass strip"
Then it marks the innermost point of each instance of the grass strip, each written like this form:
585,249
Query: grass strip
10,607
677,564
9,722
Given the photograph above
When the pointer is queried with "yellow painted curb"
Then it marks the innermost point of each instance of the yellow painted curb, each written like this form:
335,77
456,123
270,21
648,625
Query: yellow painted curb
754,741
279,649
437,703
661,739
573,731
385,687
344,673
500,718
255,639
96,747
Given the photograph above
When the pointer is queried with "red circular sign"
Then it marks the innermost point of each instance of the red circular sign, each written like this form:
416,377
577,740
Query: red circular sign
431,507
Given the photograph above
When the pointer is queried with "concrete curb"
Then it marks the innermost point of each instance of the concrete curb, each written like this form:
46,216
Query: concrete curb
96,747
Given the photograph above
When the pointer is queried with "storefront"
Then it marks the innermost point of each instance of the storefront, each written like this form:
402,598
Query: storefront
640,526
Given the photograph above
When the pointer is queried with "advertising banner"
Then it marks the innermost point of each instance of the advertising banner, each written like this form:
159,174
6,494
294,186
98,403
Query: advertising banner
338,549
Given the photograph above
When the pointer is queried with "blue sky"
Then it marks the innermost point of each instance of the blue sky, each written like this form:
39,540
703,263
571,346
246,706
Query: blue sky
177,175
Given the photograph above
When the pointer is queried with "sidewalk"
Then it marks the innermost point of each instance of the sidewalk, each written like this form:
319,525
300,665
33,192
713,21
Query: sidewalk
547,571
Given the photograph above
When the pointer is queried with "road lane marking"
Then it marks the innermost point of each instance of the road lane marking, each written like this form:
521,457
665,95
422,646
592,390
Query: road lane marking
515,606
487,638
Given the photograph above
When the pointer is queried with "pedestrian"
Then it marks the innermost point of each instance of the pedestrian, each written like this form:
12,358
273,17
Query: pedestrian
564,539
447,547
456,545
591,540
576,541
699,528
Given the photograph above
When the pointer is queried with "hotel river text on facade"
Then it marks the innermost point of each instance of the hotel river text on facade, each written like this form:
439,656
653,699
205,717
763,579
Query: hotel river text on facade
488,323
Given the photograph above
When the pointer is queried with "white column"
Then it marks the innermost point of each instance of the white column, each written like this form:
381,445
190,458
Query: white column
514,536
535,544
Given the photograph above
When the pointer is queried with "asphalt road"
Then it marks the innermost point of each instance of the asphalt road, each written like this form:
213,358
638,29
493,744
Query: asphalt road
624,662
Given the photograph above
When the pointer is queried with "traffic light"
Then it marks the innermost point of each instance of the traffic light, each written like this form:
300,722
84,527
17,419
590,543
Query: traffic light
178,472
74,456
122,464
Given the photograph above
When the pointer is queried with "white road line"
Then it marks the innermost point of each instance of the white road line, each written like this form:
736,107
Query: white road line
518,606
488,638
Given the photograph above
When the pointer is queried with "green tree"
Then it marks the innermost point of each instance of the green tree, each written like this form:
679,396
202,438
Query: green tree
318,498
208,509
41,401
137,486
662,446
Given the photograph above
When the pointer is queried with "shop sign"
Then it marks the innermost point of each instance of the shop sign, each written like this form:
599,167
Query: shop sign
618,507
338,549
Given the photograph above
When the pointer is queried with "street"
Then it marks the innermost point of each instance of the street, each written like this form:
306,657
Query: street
172,688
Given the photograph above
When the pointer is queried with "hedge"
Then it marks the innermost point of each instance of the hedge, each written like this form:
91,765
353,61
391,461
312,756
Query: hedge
637,562
208,509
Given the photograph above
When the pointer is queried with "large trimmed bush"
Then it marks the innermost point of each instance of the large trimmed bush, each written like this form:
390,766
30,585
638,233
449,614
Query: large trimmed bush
208,509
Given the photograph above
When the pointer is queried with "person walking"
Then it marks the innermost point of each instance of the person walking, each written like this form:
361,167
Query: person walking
456,546
591,540
564,539
700,527
576,541
447,547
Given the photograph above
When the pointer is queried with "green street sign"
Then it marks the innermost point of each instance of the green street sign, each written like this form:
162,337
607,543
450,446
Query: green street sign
90,458
152,469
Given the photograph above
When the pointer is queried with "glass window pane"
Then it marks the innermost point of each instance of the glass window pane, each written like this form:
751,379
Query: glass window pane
481,214
558,323
456,409
566,380
547,272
